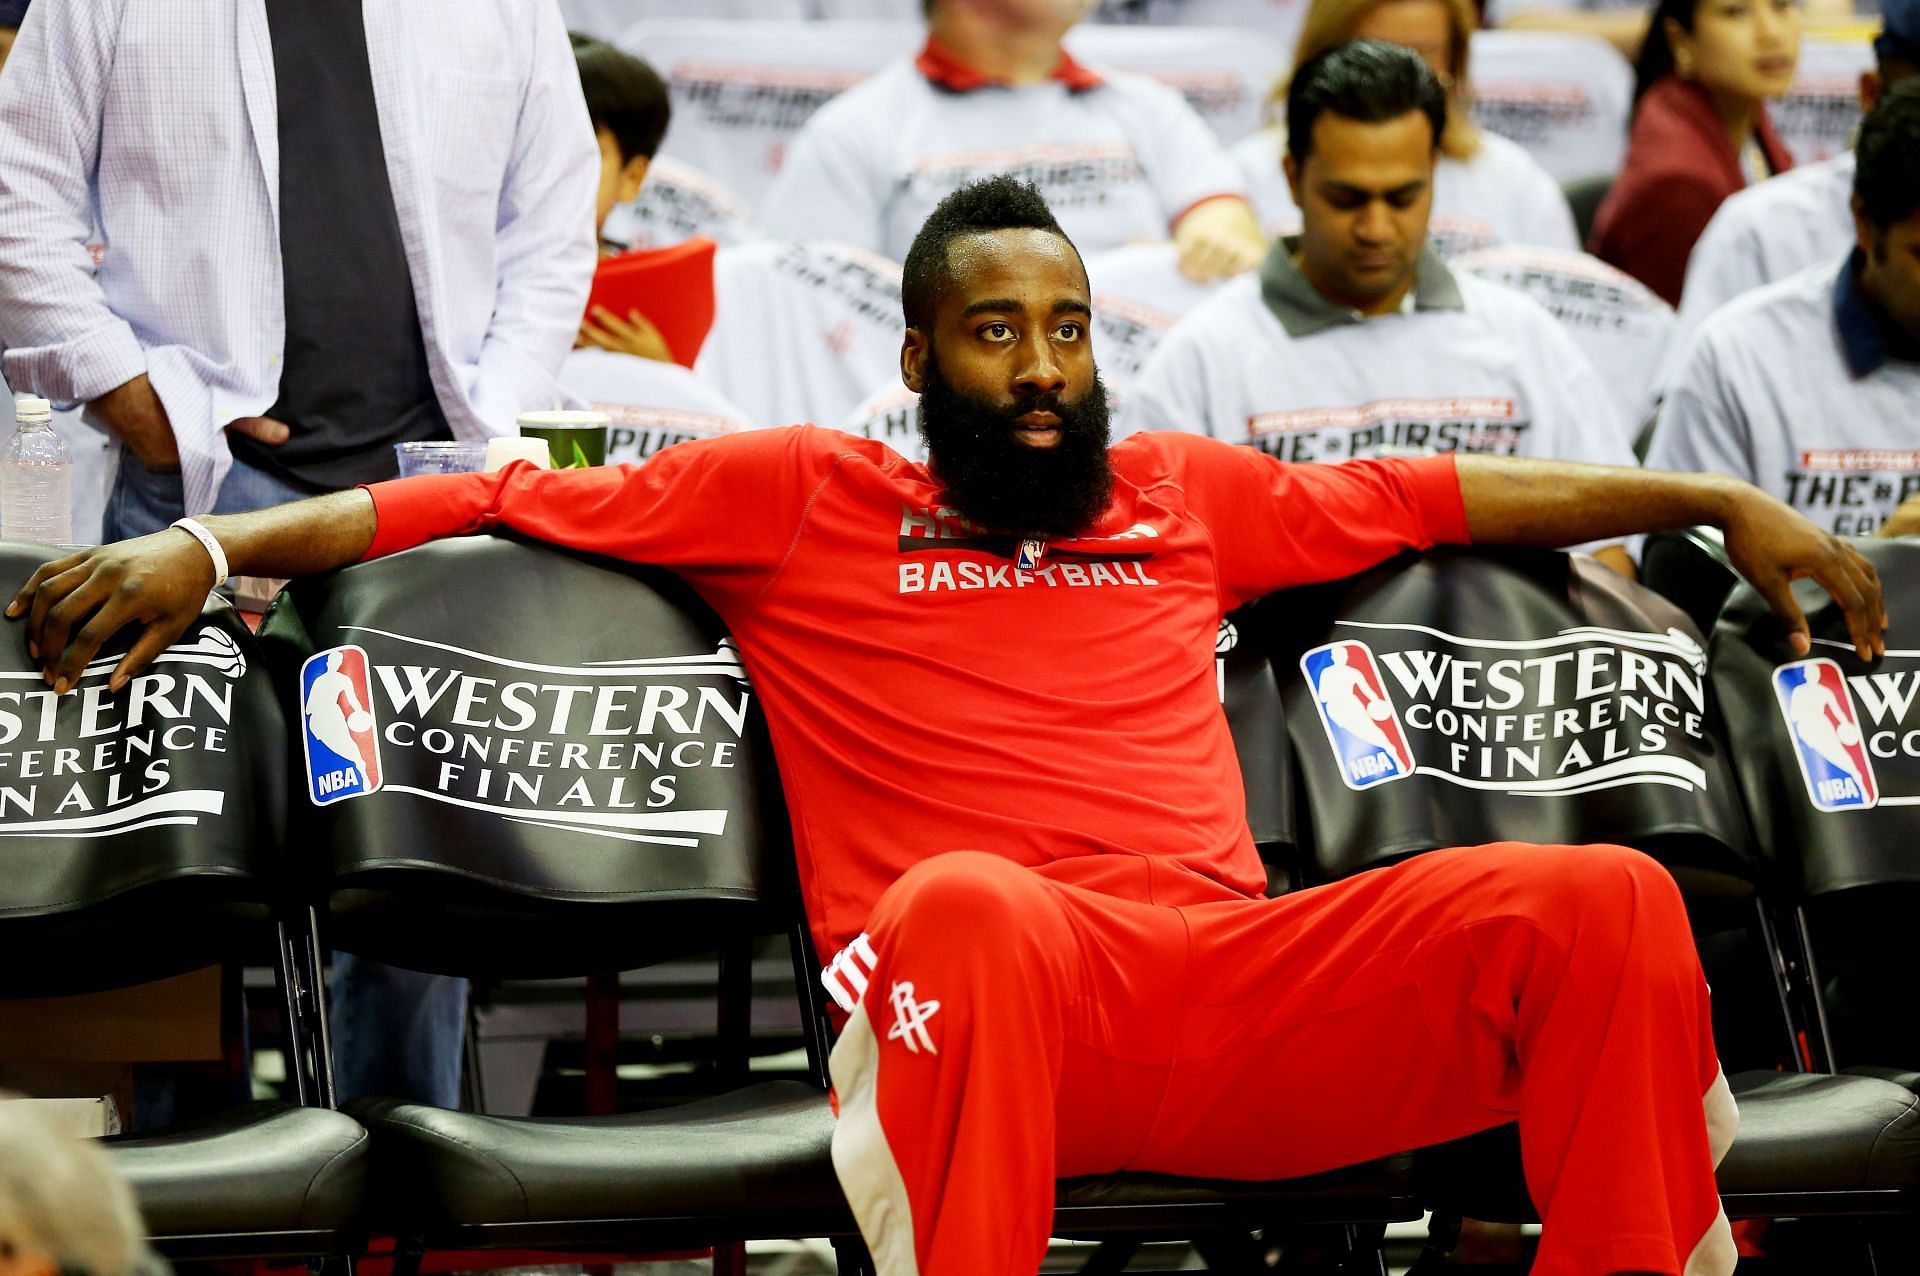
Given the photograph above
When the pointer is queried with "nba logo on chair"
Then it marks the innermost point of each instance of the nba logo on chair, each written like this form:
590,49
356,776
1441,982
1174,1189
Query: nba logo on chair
1825,730
1362,726
337,725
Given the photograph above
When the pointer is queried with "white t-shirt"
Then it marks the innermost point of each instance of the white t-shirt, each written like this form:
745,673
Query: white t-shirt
1818,116
1565,97
652,404
1767,394
742,90
1117,162
1472,367
1768,231
802,330
677,203
607,19
1224,72
1614,318
1500,196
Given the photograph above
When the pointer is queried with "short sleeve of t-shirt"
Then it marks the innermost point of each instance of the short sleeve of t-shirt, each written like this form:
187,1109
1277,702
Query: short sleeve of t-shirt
722,512
1275,525
1701,425
1182,157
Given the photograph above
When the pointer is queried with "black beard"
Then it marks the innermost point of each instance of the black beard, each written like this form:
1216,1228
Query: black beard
1000,483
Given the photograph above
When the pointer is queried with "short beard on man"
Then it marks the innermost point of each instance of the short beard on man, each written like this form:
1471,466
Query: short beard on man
1000,483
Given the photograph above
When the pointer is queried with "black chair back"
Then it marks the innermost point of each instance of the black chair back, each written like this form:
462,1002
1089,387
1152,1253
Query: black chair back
140,831
1468,696
1831,747
1250,696
1689,568
520,762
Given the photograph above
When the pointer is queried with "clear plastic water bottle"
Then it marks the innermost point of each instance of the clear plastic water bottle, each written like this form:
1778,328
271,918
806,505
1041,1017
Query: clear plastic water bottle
36,478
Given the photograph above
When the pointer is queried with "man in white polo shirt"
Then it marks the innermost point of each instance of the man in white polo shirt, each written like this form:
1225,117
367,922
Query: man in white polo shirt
1810,387
1803,217
1355,339
1118,156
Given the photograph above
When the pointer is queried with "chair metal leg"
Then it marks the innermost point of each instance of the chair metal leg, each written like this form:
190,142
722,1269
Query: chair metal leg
1110,1258
813,1010
603,1043
1443,1233
1825,1060
1367,1251
850,1257
473,1078
734,1024
407,1257
1230,1252
322,1040
287,969
1781,967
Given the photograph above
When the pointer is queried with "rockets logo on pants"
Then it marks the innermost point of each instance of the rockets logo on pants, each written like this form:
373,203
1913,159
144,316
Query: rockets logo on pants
338,730
1827,740
1358,715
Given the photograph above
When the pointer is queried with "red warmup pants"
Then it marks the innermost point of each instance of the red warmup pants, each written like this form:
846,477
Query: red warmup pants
1121,1013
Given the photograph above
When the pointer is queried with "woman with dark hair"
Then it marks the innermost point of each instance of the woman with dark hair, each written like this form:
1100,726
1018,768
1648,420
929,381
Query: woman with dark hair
1700,129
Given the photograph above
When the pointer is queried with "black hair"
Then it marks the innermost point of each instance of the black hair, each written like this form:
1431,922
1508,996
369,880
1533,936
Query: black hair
994,203
1655,62
1886,176
1366,80
624,95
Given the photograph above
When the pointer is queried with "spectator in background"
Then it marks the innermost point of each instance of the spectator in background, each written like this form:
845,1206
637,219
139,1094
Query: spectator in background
1700,130
1355,339
12,12
1809,388
1486,189
64,1210
1118,156
1801,218
622,363
400,251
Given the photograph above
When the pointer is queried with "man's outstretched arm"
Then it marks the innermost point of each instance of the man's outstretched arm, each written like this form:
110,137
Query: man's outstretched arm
1522,502
74,604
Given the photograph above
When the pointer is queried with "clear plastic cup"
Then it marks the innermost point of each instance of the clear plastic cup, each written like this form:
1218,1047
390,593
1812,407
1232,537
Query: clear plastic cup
440,458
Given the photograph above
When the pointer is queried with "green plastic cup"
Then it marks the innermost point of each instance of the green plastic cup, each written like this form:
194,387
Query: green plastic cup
575,440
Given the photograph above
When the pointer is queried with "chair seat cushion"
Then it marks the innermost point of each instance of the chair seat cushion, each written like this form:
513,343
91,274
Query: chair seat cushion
1809,1132
763,1147
1800,1133
260,1167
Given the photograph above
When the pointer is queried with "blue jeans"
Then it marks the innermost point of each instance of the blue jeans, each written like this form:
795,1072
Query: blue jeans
396,1033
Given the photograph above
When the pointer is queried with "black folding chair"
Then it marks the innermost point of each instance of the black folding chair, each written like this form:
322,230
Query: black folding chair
143,838
1833,780
1808,1145
560,771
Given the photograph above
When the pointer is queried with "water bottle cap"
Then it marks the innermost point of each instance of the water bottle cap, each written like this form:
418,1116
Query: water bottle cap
29,408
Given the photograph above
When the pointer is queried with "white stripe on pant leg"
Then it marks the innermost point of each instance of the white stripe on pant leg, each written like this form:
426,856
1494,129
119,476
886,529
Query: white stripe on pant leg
1723,1116
1716,1254
861,1158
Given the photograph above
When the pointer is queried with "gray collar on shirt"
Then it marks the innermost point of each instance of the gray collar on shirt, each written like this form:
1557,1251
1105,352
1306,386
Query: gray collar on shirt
1302,311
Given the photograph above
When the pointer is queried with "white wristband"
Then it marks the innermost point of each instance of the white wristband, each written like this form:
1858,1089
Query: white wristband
205,537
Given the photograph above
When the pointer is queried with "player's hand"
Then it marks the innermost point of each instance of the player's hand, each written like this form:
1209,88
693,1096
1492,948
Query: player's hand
1772,546
1904,521
633,335
1218,238
72,605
